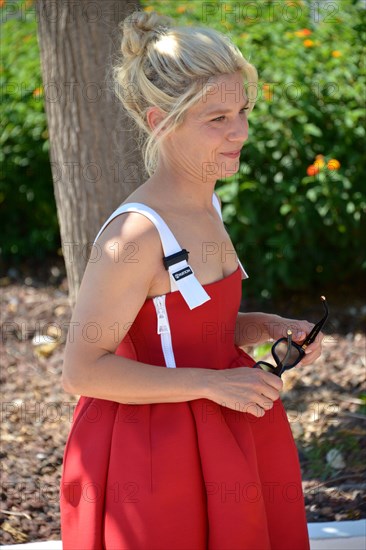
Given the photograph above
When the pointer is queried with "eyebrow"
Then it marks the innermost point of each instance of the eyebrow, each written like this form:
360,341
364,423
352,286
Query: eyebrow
217,110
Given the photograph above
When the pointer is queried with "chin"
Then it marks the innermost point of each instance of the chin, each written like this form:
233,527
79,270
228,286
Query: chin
229,168
219,169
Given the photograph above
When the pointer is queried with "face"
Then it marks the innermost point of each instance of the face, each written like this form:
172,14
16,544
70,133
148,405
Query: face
207,144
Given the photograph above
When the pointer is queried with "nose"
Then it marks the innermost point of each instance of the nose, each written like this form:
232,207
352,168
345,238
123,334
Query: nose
238,130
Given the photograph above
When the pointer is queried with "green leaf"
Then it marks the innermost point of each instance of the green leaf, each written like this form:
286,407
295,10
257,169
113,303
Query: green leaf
312,130
285,209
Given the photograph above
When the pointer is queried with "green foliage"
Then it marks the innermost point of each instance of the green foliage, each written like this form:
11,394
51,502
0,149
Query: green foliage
290,229
27,203
262,350
294,231
362,407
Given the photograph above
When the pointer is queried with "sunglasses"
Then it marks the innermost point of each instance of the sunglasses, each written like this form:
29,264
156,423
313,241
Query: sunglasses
287,353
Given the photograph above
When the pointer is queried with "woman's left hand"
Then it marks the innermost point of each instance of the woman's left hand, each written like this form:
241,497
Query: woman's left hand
300,330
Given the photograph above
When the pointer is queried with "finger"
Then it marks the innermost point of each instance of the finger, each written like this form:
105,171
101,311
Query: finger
254,409
312,347
259,406
269,393
265,403
271,380
299,337
301,333
310,359
315,347
311,355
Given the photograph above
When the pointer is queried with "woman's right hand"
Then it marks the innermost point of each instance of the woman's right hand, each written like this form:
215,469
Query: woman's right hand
244,389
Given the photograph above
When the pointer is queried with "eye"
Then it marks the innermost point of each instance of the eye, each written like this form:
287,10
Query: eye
220,118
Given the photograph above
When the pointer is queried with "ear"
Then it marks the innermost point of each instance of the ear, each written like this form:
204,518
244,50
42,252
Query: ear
154,116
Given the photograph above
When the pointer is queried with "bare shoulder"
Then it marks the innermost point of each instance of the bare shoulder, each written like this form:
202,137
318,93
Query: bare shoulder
127,235
128,254
117,279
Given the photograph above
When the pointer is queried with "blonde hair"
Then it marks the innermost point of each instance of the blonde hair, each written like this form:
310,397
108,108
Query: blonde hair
168,66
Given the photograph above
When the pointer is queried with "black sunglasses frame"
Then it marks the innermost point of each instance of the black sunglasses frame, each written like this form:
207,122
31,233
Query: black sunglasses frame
281,365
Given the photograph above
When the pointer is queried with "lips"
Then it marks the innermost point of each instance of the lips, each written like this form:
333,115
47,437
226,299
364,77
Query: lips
232,155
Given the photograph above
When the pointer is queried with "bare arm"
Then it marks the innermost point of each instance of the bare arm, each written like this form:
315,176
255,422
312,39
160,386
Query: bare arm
255,328
111,293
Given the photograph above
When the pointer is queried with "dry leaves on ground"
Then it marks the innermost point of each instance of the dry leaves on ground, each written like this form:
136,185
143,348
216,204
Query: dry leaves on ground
323,403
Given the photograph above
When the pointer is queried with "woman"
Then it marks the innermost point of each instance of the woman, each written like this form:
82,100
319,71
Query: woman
176,441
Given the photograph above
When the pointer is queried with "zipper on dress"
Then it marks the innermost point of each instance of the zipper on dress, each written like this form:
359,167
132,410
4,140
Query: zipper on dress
164,331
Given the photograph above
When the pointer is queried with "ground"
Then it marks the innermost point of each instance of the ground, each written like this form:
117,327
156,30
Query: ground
325,404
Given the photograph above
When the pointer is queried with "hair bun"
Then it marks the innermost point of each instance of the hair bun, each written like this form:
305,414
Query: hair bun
139,28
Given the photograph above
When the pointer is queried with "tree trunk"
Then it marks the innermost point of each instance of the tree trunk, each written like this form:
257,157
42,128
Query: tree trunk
95,161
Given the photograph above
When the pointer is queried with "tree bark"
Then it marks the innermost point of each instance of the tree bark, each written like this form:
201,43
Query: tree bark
94,156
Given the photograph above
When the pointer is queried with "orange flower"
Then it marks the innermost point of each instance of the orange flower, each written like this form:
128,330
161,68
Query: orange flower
312,170
37,92
308,43
336,53
181,9
333,164
319,163
2,3
303,32
267,92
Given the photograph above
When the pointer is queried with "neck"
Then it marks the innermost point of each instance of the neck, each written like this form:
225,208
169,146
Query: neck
183,190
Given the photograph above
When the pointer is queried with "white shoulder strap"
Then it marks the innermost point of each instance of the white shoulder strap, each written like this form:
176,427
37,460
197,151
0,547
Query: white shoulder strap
216,203
140,206
181,274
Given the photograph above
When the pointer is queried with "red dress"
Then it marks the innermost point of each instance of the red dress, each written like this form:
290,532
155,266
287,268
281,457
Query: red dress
182,476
